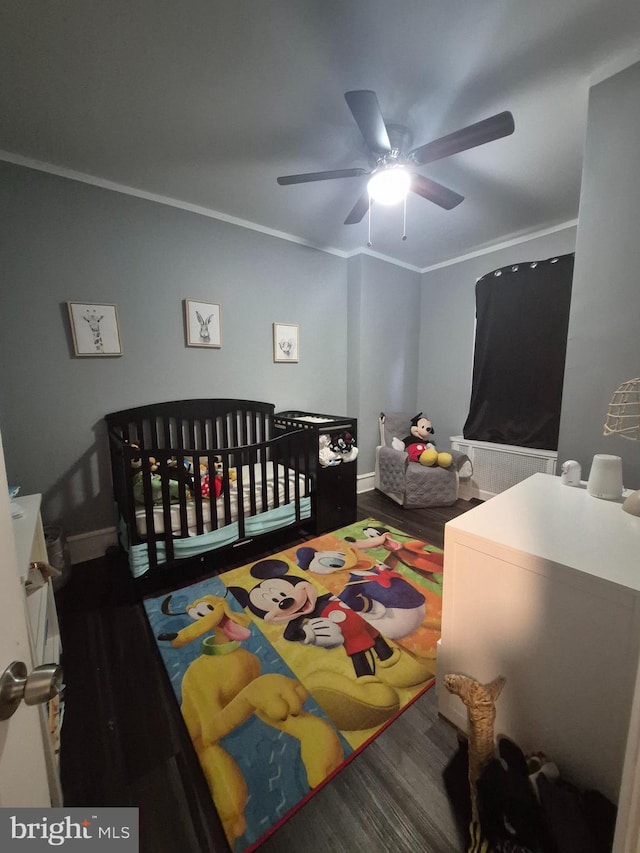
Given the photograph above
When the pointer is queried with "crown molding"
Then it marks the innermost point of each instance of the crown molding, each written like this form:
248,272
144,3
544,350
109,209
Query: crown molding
113,186
93,180
505,244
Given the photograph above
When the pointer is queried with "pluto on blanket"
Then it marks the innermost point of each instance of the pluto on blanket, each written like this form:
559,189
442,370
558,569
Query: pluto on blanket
223,688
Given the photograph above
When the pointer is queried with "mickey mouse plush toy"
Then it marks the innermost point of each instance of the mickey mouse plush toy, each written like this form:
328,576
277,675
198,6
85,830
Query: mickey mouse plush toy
419,445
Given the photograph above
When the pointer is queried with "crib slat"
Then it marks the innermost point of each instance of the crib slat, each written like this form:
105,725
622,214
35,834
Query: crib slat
240,483
212,500
275,462
166,432
262,455
145,470
222,432
226,486
164,472
197,491
183,494
252,462
153,433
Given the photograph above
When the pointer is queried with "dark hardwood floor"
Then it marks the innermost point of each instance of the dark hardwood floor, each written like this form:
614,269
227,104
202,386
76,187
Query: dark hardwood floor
124,743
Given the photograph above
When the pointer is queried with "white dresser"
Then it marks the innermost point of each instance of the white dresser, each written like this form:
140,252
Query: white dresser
542,586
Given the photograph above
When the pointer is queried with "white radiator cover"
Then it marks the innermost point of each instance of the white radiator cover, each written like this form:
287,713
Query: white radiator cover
497,467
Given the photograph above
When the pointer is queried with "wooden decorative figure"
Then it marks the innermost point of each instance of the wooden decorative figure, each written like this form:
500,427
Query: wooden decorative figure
480,700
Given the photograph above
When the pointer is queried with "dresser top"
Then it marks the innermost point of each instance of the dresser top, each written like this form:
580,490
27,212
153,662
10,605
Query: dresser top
564,524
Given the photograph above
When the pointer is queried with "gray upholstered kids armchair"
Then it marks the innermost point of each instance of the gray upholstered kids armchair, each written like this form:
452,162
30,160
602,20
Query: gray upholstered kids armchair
411,484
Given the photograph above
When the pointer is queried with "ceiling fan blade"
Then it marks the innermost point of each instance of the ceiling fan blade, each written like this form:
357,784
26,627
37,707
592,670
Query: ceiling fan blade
321,176
483,131
359,210
365,108
432,191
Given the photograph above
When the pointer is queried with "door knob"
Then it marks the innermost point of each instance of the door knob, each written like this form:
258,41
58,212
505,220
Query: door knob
42,684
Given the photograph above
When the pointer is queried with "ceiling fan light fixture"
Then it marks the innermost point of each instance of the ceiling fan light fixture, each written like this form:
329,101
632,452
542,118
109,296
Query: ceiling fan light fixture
390,185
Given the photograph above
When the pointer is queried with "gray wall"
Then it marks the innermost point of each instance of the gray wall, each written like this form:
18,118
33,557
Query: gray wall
68,241
447,327
384,316
604,326
63,240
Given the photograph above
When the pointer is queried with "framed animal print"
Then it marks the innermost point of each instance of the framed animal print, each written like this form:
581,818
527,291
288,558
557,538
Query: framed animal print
202,324
94,329
286,342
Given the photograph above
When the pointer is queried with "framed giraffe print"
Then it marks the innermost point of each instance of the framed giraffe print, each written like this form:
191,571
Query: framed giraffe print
202,324
94,329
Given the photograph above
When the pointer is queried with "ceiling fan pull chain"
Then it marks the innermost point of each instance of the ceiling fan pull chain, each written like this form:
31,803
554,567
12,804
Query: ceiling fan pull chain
369,243
404,219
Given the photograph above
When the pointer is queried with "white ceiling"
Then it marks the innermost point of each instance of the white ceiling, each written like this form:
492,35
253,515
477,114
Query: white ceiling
207,101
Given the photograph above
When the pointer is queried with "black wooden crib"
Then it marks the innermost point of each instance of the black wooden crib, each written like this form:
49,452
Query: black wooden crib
206,481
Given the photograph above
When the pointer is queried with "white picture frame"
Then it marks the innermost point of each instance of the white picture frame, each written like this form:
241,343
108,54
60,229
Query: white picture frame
202,324
95,329
286,342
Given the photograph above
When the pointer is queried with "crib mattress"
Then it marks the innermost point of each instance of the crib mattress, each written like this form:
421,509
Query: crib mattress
247,485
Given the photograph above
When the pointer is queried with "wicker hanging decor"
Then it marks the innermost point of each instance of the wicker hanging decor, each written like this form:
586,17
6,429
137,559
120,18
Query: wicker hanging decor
623,415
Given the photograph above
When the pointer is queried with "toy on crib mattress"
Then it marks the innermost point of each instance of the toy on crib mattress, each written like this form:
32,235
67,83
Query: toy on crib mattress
419,446
156,489
151,469
219,466
198,468
205,485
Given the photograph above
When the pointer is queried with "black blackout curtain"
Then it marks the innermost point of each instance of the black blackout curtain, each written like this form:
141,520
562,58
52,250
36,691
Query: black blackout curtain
522,316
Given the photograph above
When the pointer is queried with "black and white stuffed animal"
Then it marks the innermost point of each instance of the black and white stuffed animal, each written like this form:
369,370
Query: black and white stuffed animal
344,444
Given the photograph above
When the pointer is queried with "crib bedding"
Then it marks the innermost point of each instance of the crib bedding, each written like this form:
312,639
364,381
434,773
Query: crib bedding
251,481
227,536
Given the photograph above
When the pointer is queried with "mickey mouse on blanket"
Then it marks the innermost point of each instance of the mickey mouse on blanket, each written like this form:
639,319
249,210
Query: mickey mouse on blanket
322,620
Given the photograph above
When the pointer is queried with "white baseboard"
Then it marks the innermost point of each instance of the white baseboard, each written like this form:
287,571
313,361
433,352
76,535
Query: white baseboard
365,482
90,546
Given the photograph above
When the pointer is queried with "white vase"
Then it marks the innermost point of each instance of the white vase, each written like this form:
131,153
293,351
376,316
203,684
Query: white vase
605,477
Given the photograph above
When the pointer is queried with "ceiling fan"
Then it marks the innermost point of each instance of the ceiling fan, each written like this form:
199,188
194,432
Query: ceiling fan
392,174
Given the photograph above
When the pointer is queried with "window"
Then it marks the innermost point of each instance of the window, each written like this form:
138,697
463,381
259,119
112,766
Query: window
522,314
